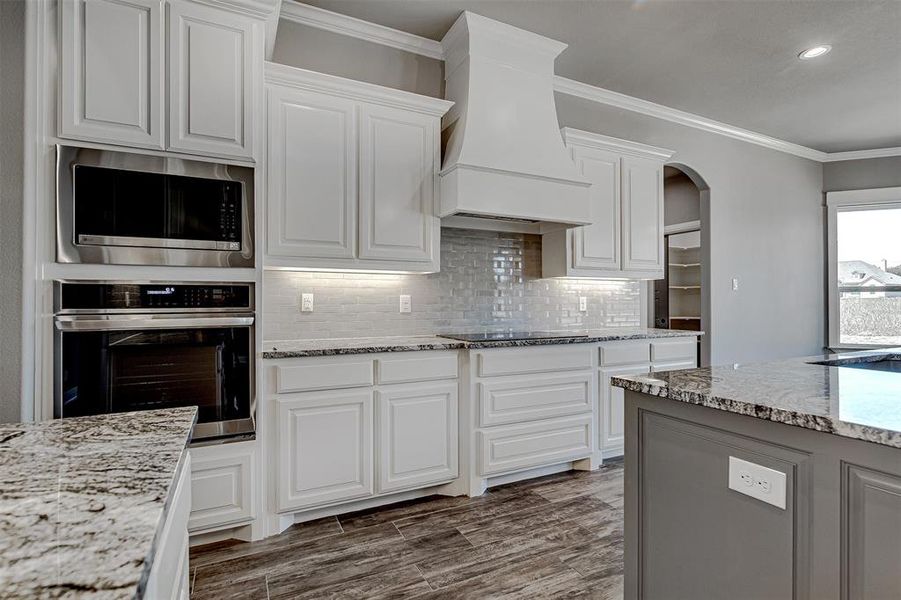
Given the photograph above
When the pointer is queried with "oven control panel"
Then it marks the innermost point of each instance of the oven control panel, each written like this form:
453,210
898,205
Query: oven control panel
103,297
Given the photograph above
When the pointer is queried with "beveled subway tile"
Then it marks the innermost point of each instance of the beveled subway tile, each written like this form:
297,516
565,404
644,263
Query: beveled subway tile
496,506
229,549
405,582
292,554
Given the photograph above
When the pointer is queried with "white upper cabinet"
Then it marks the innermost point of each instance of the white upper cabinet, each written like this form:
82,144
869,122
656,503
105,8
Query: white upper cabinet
311,175
642,214
212,53
122,59
352,174
597,246
625,238
398,157
111,66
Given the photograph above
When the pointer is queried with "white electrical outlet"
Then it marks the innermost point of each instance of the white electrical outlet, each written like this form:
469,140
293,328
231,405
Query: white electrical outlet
583,304
406,303
306,303
756,481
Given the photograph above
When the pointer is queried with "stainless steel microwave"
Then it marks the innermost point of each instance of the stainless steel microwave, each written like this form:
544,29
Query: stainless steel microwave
132,209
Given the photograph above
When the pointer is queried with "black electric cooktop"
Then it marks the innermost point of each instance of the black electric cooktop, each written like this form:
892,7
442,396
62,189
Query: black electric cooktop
505,336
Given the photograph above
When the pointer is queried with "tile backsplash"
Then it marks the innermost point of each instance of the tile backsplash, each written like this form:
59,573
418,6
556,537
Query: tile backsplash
488,281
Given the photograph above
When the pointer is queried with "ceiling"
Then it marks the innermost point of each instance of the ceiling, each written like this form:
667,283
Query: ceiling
728,60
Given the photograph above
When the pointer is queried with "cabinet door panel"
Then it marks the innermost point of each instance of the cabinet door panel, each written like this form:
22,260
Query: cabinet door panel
324,448
111,71
398,161
597,246
872,536
417,435
222,485
213,62
312,179
612,408
642,215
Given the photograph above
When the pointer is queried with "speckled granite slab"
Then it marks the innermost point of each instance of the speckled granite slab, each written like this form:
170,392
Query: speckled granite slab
333,347
850,402
83,500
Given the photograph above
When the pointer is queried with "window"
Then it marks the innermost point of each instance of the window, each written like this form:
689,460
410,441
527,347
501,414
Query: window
864,239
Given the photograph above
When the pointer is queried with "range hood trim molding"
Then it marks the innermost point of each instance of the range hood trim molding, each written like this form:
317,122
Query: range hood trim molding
504,155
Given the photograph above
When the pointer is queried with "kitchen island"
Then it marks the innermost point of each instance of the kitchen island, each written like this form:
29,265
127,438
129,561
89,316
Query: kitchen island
95,507
772,480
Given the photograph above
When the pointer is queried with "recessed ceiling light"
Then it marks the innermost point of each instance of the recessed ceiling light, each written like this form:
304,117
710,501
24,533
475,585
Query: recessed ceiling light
814,52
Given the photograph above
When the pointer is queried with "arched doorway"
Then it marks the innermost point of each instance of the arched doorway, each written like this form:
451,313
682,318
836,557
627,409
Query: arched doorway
682,299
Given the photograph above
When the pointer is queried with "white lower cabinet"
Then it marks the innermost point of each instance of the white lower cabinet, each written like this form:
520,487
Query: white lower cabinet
168,577
612,409
388,424
533,407
222,484
417,435
634,357
511,448
325,445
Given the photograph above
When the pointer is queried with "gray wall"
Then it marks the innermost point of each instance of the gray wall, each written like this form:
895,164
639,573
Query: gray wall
487,281
766,215
12,65
317,50
766,229
681,200
862,174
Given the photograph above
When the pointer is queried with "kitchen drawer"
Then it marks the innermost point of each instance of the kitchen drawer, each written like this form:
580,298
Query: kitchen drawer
624,353
417,366
221,485
504,401
674,365
674,349
513,361
515,447
312,374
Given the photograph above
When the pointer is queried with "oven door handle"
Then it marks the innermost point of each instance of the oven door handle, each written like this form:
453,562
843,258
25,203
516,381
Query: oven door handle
94,323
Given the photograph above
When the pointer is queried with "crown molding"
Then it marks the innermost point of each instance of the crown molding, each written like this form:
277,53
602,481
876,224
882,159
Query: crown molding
610,98
295,11
303,79
590,139
863,154
327,20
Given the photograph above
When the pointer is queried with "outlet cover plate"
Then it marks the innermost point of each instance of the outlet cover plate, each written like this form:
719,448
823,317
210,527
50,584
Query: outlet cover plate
306,303
406,303
757,481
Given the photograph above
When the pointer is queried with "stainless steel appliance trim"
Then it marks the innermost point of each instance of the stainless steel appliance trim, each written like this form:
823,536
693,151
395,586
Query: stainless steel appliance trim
146,321
68,251
143,242
58,310
239,428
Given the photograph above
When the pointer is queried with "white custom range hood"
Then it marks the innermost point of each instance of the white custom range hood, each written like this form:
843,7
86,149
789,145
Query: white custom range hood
504,157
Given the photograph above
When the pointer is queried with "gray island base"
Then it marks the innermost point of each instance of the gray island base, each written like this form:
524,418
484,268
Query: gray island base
688,535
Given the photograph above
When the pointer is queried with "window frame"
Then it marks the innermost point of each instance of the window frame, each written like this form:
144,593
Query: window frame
836,202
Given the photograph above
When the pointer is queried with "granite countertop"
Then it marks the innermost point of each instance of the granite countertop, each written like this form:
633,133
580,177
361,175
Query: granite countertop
363,345
850,402
83,500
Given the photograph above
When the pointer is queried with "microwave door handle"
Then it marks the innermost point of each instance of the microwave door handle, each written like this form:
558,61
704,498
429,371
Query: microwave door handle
82,323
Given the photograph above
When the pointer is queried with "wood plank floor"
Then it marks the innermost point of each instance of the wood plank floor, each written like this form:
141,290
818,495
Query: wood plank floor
559,536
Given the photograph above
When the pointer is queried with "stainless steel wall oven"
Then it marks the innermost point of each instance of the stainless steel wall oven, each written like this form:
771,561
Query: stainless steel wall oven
123,347
133,209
